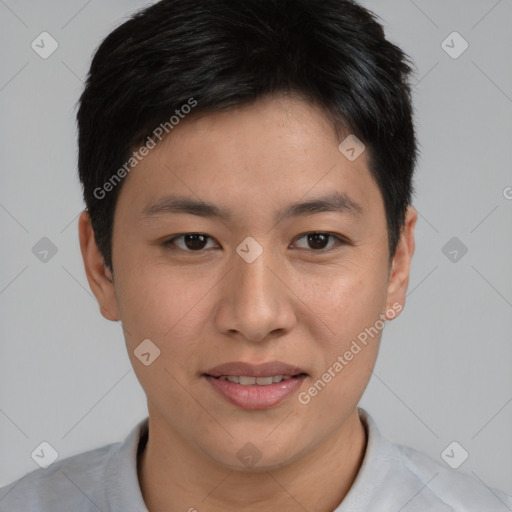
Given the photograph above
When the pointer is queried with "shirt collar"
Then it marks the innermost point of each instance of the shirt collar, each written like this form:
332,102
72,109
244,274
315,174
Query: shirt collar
123,488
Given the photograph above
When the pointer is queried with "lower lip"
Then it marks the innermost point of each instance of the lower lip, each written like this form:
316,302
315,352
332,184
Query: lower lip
255,396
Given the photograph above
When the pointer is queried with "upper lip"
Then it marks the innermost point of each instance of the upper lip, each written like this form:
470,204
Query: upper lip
240,368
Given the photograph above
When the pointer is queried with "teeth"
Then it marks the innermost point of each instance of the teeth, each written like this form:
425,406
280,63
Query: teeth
264,381
250,381
247,381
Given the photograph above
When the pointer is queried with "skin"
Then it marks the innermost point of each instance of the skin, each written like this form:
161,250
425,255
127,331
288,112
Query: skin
294,303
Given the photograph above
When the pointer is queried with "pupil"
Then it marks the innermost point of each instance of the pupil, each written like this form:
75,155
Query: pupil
195,241
318,240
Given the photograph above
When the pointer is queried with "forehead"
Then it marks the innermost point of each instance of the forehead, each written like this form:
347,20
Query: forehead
267,152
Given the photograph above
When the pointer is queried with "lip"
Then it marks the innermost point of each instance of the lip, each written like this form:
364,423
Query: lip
254,370
255,396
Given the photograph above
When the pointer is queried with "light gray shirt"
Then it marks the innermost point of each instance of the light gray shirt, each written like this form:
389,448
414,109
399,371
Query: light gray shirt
392,478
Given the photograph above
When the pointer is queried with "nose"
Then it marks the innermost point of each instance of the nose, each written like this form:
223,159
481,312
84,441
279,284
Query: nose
256,302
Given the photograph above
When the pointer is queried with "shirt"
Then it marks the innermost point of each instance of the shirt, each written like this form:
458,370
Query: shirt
392,478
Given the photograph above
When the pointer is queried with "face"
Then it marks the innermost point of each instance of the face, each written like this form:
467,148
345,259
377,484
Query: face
252,279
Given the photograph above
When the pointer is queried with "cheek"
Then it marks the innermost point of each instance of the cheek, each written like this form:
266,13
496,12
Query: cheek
167,309
351,308
162,304
346,300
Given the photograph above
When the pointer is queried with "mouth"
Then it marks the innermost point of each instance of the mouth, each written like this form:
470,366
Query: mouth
246,380
255,386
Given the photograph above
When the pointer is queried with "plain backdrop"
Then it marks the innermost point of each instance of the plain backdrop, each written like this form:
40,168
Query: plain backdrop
445,367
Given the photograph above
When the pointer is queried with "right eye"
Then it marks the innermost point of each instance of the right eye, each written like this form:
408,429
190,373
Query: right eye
188,242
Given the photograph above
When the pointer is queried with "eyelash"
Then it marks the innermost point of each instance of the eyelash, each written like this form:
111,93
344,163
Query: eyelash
340,241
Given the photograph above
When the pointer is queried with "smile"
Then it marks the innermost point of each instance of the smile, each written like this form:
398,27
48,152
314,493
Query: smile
251,381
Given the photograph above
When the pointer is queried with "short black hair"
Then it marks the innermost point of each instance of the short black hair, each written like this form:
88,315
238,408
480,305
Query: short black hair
220,54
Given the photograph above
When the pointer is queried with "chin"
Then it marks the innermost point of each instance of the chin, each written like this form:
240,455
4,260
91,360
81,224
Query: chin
257,456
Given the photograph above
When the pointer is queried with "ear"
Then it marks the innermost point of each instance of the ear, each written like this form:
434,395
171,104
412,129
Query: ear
401,263
98,274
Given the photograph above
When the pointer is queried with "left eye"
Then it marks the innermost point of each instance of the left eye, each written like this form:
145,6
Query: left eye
319,241
190,242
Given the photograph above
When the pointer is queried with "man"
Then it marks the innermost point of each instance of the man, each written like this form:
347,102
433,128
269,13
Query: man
247,169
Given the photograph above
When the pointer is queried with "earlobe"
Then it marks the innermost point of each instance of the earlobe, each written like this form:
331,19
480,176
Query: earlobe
98,274
401,264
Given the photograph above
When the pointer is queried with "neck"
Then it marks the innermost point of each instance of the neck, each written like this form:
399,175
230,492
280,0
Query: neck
175,477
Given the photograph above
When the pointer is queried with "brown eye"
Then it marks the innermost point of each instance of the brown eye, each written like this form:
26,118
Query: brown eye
320,241
189,242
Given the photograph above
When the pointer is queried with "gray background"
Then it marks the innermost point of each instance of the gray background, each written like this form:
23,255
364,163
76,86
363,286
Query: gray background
444,371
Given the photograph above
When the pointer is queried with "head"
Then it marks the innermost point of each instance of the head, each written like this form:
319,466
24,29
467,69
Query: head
242,108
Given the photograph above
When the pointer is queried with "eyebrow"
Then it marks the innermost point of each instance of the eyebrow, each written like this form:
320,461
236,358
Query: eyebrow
334,202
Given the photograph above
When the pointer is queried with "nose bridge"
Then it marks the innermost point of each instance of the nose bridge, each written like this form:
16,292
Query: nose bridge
257,302
254,285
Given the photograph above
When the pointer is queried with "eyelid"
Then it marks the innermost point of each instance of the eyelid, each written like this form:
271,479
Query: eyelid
169,243
340,241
